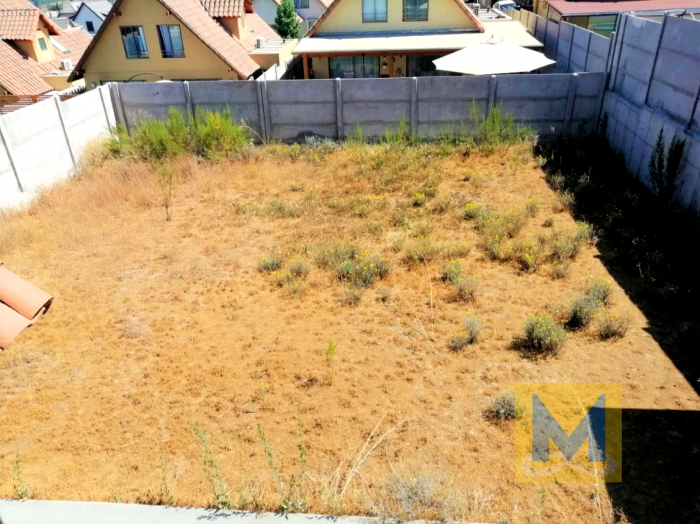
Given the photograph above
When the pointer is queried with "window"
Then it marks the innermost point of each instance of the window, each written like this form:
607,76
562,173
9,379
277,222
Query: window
58,45
134,41
422,65
354,67
415,10
171,41
301,4
42,44
89,26
374,10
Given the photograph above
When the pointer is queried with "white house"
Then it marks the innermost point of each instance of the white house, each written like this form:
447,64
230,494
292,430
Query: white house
308,10
90,14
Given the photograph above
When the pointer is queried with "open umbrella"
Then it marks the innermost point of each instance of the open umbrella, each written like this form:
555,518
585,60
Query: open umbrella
491,58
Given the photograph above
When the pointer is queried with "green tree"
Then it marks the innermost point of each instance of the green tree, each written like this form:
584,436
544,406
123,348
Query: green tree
286,23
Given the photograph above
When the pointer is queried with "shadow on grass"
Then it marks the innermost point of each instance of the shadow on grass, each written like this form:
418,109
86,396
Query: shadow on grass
651,251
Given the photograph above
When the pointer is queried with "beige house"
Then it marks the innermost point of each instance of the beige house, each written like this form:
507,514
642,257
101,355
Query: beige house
151,40
36,56
397,38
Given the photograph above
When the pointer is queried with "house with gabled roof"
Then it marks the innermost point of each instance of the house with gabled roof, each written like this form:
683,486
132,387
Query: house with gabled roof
153,40
36,56
91,14
396,38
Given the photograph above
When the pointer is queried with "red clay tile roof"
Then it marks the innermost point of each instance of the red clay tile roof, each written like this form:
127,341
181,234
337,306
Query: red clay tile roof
21,75
222,8
191,13
329,8
19,20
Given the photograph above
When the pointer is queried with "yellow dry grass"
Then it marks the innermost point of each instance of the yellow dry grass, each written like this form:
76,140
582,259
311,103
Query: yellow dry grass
160,326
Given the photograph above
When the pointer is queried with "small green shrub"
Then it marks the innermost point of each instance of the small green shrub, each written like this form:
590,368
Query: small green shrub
452,271
352,296
418,199
353,264
216,135
456,248
423,249
439,206
581,311
281,209
610,325
599,290
528,254
504,407
271,262
532,206
152,140
565,246
298,267
543,334
565,201
467,286
560,269
473,211
422,228
469,334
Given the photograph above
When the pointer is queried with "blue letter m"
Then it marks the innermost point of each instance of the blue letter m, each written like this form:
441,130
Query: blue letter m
545,428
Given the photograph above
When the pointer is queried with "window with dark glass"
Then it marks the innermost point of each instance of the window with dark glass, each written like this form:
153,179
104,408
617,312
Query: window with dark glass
415,10
89,26
171,45
134,41
301,4
422,65
354,67
42,44
374,10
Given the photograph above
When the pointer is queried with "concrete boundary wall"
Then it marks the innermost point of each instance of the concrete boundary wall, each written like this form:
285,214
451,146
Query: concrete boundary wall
291,110
653,83
42,143
575,50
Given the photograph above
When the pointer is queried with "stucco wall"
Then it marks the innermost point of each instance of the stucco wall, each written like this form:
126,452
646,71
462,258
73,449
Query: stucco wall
108,61
266,9
85,15
346,17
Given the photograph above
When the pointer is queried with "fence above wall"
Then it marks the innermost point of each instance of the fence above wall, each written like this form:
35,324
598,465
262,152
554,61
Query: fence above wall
291,110
573,48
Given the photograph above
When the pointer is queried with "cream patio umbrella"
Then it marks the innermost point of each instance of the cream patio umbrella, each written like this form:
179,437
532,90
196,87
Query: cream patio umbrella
492,57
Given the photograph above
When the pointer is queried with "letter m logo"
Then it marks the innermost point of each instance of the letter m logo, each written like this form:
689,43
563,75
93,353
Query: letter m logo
545,428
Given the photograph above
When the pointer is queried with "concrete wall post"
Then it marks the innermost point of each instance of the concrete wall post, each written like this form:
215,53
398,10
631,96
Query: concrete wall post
695,108
656,57
340,125
57,101
5,139
260,93
188,98
588,50
611,47
493,85
619,43
414,105
556,42
101,89
571,46
267,111
570,102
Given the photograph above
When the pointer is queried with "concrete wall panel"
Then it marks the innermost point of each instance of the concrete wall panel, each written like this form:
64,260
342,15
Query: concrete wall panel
39,144
151,100
85,120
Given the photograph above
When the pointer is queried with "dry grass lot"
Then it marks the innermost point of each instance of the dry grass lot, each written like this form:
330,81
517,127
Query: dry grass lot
162,327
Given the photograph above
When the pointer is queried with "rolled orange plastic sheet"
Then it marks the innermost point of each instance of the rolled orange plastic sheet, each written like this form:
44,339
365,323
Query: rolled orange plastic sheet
11,325
25,298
